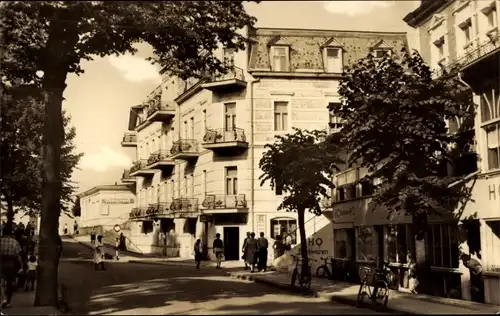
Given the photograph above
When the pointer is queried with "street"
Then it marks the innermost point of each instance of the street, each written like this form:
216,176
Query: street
128,288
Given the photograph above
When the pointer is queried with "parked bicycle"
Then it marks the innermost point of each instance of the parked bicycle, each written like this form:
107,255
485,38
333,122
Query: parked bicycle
323,270
379,279
304,280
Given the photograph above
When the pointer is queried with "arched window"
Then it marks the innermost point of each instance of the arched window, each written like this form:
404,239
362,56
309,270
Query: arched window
286,227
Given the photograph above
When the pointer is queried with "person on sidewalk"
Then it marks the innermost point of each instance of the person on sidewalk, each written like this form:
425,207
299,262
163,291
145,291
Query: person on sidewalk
31,274
99,254
251,251
244,257
75,228
92,237
117,248
10,251
218,248
198,252
65,228
262,245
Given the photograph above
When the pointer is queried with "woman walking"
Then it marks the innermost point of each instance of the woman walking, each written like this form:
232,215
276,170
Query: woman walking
99,254
251,251
198,251
218,247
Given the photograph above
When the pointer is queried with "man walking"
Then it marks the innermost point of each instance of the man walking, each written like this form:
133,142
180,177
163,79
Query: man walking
92,237
10,251
262,244
243,249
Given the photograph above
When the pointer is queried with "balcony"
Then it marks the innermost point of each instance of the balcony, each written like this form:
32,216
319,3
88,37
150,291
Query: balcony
129,140
222,139
160,160
185,149
126,177
185,208
140,169
159,210
225,203
233,80
137,213
160,111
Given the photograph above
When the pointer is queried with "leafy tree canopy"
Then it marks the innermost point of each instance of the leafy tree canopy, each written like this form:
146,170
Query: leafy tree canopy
77,210
395,124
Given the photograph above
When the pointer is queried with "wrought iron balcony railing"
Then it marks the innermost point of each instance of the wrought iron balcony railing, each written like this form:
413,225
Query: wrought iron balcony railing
184,205
138,165
159,106
138,212
158,156
224,135
233,73
129,138
213,201
184,146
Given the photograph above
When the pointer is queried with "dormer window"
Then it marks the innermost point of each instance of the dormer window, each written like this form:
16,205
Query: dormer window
381,53
333,59
280,58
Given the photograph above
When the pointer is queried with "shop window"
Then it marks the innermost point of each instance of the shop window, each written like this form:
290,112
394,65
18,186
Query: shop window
366,243
399,243
286,228
493,145
343,244
190,226
442,245
147,227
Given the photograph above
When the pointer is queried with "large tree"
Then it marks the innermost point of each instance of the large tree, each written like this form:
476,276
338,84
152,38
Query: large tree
301,165
395,116
21,120
54,37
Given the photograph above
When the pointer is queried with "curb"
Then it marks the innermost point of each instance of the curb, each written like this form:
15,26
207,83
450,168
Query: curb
313,293
165,263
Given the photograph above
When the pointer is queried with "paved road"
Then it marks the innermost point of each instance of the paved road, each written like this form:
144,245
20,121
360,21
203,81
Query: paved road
127,288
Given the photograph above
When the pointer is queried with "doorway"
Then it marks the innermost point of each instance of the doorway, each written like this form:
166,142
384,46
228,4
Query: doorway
232,243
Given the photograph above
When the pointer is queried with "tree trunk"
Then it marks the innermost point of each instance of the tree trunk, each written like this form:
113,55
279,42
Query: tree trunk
53,134
10,212
303,241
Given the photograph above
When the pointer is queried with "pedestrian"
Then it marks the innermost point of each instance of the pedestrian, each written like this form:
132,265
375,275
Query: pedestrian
476,277
31,274
218,248
244,257
92,237
262,244
10,251
198,250
251,251
123,244
99,254
75,228
117,248
65,229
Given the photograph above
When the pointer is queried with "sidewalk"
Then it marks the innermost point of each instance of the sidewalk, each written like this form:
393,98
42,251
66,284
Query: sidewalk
132,257
347,293
22,304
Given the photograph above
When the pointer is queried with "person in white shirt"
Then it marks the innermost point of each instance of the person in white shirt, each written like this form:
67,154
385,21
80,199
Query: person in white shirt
31,274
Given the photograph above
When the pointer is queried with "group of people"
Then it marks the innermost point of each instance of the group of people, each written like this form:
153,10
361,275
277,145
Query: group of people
19,262
255,251
99,253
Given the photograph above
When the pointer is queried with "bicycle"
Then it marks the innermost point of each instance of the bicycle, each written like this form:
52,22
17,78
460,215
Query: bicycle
304,280
379,279
323,270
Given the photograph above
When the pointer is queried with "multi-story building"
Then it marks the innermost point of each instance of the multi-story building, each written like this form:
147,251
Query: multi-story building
457,38
199,142
104,206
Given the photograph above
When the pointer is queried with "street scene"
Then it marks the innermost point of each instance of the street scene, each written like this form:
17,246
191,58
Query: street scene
250,157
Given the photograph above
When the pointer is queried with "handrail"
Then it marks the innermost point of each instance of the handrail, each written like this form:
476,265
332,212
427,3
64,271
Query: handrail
158,156
222,201
138,165
232,73
160,106
184,146
222,135
184,205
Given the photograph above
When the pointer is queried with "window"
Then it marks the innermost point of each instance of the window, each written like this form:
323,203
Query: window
493,145
442,245
204,120
229,56
192,128
399,243
280,58
231,180
492,242
186,130
204,182
381,53
343,244
280,116
147,227
286,228
491,17
346,185
366,243
439,50
335,121
191,178
172,187
466,28
230,116
333,60
186,186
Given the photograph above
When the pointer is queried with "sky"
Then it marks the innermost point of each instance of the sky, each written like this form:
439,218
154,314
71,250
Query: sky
99,100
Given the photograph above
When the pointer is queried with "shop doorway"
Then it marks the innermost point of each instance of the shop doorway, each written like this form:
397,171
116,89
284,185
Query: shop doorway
232,243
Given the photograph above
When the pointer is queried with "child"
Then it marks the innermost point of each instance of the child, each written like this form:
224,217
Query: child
31,274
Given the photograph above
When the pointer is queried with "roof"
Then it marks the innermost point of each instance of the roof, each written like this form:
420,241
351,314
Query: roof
107,187
426,9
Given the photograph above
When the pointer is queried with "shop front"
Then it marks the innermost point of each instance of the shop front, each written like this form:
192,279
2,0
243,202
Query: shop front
344,245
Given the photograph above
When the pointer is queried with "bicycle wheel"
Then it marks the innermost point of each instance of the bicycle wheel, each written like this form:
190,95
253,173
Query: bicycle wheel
294,277
321,272
305,280
381,298
362,294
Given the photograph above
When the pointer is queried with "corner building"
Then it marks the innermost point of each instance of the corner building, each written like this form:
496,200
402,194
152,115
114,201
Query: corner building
199,142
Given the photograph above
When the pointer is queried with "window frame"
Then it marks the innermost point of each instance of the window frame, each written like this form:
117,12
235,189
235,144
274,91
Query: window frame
290,221
231,182
281,128
388,52
274,50
340,58
231,117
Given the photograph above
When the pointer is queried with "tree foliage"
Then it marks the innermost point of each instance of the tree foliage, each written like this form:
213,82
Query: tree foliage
395,124
51,38
77,209
301,164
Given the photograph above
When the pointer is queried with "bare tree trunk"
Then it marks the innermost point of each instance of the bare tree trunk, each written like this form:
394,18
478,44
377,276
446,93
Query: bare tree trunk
10,212
53,134
303,241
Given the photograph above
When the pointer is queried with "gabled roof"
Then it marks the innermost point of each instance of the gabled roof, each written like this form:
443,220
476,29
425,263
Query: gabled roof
381,45
332,42
278,41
